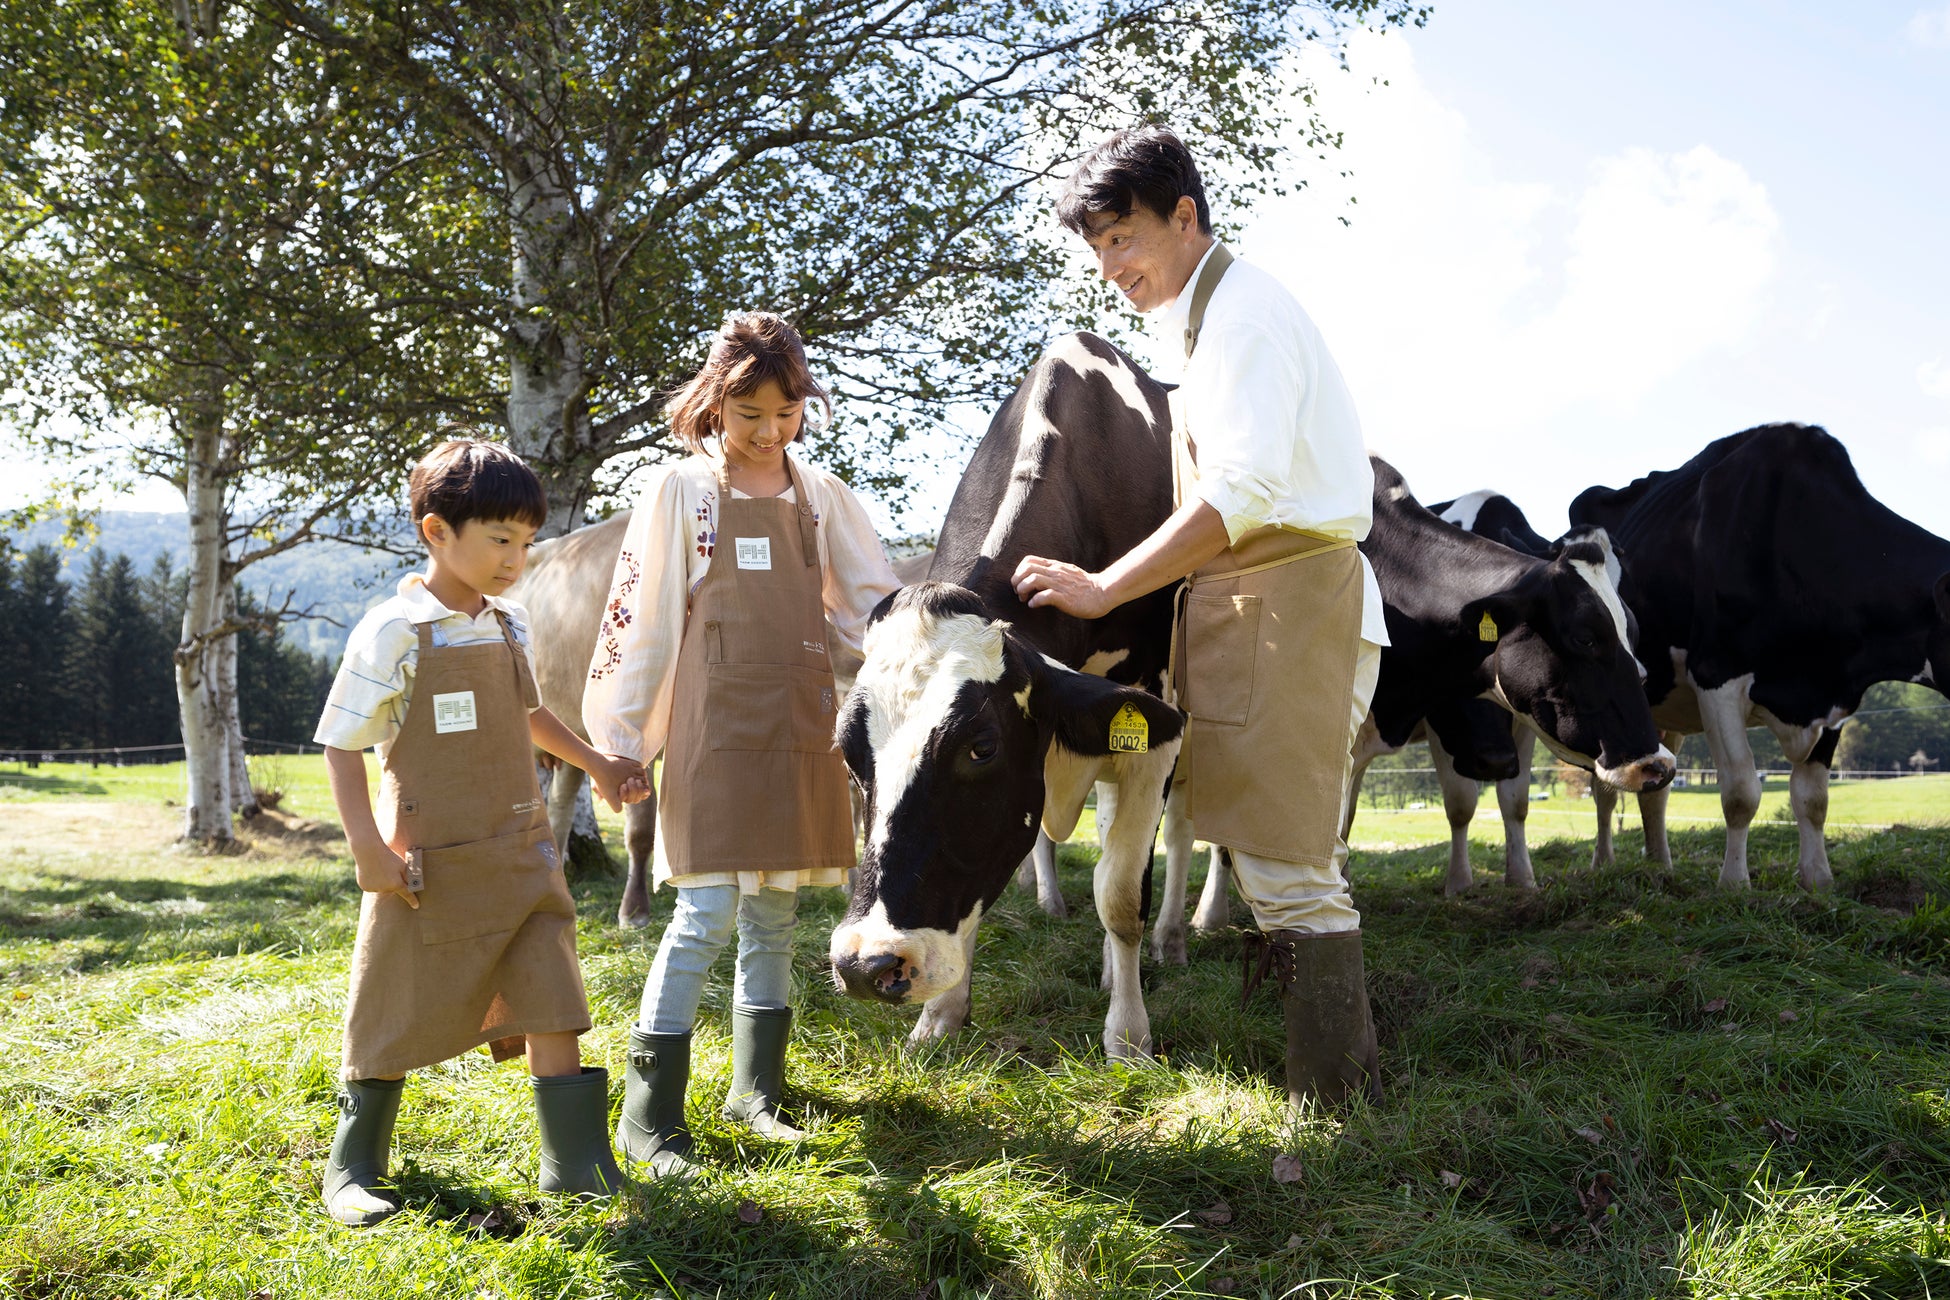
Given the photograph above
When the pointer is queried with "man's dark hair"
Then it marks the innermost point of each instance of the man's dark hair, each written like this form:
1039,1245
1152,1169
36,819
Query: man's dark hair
1141,166
467,478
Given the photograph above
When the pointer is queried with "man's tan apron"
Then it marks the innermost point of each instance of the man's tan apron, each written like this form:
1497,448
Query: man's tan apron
751,778
1263,657
490,954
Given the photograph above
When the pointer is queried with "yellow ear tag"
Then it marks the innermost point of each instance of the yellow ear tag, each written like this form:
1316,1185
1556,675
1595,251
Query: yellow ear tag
1486,630
1129,732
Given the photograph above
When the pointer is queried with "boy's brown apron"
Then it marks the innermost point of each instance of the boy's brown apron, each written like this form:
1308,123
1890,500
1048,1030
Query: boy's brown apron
751,778
1263,656
490,954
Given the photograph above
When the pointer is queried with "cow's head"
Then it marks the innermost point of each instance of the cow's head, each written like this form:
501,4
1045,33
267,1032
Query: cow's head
947,732
1563,661
1938,658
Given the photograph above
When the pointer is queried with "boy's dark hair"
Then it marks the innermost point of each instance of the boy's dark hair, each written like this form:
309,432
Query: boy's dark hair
749,350
1141,167
467,477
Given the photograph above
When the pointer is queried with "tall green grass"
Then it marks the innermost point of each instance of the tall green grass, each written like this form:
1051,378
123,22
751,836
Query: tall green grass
1625,1084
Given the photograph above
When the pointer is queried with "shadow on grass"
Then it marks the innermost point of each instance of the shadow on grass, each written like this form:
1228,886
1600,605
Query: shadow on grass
51,783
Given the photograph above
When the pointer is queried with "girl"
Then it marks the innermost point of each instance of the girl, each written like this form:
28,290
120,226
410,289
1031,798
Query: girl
720,662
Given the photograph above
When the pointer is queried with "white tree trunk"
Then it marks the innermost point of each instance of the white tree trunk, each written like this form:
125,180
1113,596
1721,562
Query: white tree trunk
548,414
243,798
199,694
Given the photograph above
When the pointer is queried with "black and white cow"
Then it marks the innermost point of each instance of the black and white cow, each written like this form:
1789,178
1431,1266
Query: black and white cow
1467,753
976,717
1771,589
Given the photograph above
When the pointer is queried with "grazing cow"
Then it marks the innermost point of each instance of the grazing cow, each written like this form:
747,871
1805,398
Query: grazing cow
563,589
1772,589
975,715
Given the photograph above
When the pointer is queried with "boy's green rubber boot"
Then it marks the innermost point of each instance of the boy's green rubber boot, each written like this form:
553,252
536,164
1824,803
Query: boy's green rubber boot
572,1111
651,1130
758,1038
355,1177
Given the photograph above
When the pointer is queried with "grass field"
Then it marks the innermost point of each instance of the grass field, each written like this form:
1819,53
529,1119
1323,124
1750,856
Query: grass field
1625,1084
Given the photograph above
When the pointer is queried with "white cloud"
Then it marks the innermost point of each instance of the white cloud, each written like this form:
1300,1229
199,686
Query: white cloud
1932,446
1931,30
1466,306
1933,377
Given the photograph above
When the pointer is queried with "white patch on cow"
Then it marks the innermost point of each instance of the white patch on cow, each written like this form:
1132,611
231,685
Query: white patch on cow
1927,677
1100,663
1029,819
1463,510
1071,351
1601,581
1398,492
1022,700
1067,778
934,958
915,665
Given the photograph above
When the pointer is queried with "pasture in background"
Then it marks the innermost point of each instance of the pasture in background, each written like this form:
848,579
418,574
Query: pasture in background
1627,1083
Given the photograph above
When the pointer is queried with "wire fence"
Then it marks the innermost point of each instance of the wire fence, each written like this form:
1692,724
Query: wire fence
140,755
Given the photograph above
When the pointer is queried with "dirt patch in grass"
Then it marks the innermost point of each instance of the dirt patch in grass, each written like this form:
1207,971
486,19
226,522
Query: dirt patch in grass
1892,891
90,825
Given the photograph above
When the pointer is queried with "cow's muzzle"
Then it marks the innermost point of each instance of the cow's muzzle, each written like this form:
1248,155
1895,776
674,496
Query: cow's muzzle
1643,775
884,977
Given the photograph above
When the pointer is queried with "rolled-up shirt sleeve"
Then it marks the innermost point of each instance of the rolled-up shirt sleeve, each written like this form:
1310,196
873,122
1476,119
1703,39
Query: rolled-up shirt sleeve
857,575
1245,424
633,673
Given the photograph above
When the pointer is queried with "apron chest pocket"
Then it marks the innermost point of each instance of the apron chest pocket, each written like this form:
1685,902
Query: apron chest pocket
774,708
490,886
1221,647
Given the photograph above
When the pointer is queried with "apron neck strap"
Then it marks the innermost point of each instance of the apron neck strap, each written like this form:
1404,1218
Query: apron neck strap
808,534
1208,279
425,631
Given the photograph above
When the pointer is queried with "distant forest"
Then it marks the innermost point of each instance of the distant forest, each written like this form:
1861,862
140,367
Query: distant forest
87,663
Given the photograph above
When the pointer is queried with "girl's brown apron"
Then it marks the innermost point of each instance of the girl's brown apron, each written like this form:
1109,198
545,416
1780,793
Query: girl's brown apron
1263,656
751,778
490,954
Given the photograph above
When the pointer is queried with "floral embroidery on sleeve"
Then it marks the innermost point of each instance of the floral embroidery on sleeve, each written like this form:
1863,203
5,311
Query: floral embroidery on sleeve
707,532
616,616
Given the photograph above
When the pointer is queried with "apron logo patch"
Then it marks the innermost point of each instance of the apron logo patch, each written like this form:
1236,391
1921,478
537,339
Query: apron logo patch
527,805
754,552
1486,630
1129,732
454,712
813,647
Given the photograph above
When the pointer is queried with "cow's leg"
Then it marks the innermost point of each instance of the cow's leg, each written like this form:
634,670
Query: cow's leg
1723,710
1809,751
1106,818
1459,797
560,782
640,838
1652,813
1604,800
1168,936
1513,801
947,1013
1119,887
1038,872
1215,902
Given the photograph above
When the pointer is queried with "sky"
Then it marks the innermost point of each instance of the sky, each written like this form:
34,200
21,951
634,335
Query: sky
1585,240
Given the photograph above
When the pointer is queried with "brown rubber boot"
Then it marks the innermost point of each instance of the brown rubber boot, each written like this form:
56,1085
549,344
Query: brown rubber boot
1330,1042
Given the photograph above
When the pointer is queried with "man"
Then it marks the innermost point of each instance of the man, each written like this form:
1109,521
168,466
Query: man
1280,624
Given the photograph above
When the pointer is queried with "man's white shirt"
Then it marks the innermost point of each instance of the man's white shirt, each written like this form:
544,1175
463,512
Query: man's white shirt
1278,441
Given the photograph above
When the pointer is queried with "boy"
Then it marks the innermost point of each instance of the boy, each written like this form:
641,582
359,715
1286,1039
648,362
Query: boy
466,929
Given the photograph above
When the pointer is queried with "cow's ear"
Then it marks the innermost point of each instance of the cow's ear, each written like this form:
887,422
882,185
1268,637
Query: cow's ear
1492,618
1087,714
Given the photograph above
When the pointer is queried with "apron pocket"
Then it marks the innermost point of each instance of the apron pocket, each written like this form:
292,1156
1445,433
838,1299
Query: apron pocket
489,886
775,708
1221,645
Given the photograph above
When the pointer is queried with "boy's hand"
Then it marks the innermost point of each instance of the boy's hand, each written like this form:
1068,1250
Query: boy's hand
618,781
382,871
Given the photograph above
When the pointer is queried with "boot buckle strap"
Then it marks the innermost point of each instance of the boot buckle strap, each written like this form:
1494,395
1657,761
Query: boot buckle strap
348,1103
643,1058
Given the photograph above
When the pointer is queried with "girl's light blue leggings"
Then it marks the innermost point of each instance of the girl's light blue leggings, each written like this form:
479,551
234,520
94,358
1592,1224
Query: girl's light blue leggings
698,932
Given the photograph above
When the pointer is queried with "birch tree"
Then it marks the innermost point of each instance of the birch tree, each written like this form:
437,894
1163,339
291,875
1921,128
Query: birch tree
188,208
873,169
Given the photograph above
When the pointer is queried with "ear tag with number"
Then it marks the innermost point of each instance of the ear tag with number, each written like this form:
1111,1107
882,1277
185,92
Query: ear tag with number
1486,630
1129,732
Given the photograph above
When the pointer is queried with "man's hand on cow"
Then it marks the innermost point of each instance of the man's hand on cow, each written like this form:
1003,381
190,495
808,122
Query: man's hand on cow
1040,582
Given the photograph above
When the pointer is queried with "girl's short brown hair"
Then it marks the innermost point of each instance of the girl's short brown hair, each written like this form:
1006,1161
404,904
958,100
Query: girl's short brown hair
467,477
750,348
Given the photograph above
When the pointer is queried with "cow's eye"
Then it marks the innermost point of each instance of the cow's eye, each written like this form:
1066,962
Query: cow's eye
982,750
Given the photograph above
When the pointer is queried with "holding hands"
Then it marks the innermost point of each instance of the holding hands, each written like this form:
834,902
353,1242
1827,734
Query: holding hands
619,780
